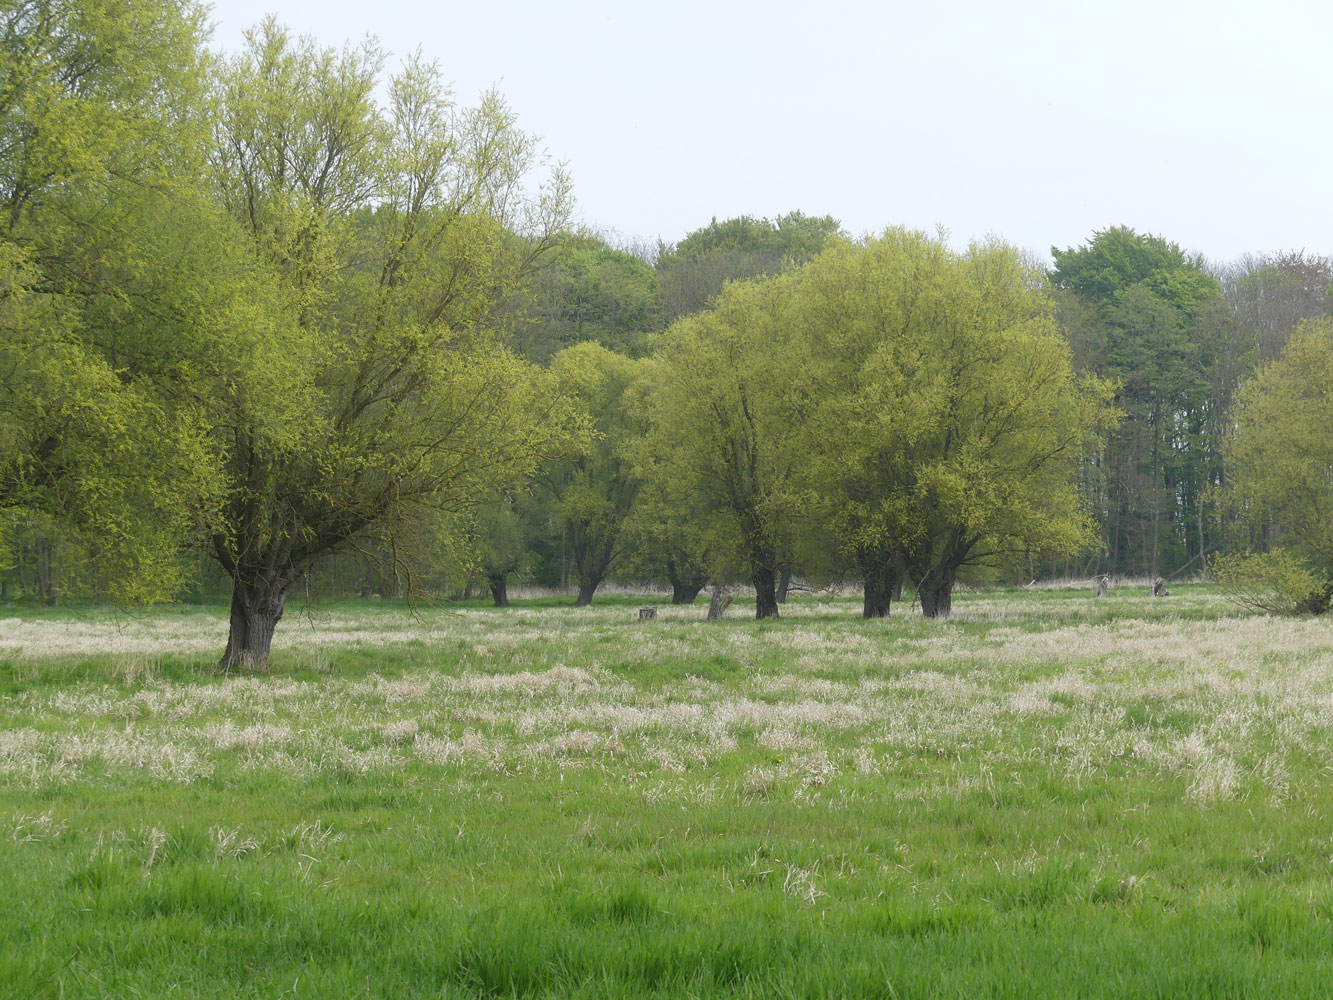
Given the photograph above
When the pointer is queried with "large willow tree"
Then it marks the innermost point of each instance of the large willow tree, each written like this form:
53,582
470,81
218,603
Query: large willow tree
946,422
385,237
725,417
100,289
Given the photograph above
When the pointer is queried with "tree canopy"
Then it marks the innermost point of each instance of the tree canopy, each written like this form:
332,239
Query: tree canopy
589,291
291,307
946,422
1142,313
693,271
100,107
593,491
724,419
1281,454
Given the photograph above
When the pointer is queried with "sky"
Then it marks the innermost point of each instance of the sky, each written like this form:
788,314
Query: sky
1039,122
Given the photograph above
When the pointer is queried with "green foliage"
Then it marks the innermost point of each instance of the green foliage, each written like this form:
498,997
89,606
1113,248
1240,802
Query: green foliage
93,94
593,493
693,271
1281,452
724,423
100,113
502,537
946,421
381,242
796,236
1144,315
1276,582
589,291
1119,258
918,403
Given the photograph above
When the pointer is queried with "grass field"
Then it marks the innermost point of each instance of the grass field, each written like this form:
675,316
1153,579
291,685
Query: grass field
1048,795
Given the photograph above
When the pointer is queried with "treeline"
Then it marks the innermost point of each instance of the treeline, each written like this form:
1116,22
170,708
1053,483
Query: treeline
282,321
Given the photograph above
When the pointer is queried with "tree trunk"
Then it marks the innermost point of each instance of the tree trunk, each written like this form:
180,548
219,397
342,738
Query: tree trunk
784,583
1203,549
718,604
593,555
586,589
936,592
256,609
883,582
766,592
684,593
47,588
499,589
564,563
685,587
1156,499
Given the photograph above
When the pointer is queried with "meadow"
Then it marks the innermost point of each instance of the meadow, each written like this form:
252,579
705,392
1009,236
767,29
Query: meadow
1047,795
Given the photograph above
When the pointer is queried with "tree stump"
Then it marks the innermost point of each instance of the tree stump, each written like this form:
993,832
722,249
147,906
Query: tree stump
719,602
1159,588
1103,585
648,614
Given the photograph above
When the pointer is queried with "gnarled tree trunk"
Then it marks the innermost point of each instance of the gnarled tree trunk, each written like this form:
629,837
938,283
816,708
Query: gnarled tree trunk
587,587
499,589
883,581
256,608
685,586
936,592
718,604
593,556
684,593
765,592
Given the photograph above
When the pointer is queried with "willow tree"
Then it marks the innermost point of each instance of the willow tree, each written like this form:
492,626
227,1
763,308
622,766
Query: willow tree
725,412
945,421
594,490
389,236
100,117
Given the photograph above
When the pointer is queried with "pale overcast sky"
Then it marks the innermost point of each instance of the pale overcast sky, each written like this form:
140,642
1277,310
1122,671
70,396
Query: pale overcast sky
1204,122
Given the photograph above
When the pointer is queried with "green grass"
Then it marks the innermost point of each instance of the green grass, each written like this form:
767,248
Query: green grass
1046,796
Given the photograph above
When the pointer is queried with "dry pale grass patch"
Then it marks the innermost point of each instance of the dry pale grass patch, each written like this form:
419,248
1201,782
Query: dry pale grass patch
1217,705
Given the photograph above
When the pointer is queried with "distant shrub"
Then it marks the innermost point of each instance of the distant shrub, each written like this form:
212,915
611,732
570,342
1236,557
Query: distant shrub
1276,582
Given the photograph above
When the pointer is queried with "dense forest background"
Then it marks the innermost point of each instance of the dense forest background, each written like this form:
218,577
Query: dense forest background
285,322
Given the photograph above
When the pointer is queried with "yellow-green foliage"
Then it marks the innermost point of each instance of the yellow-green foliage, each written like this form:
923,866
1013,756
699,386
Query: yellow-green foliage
380,241
944,398
246,299
1277,582
101,115
95,93
1281,453
726,415
894,393
595,488
602,383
